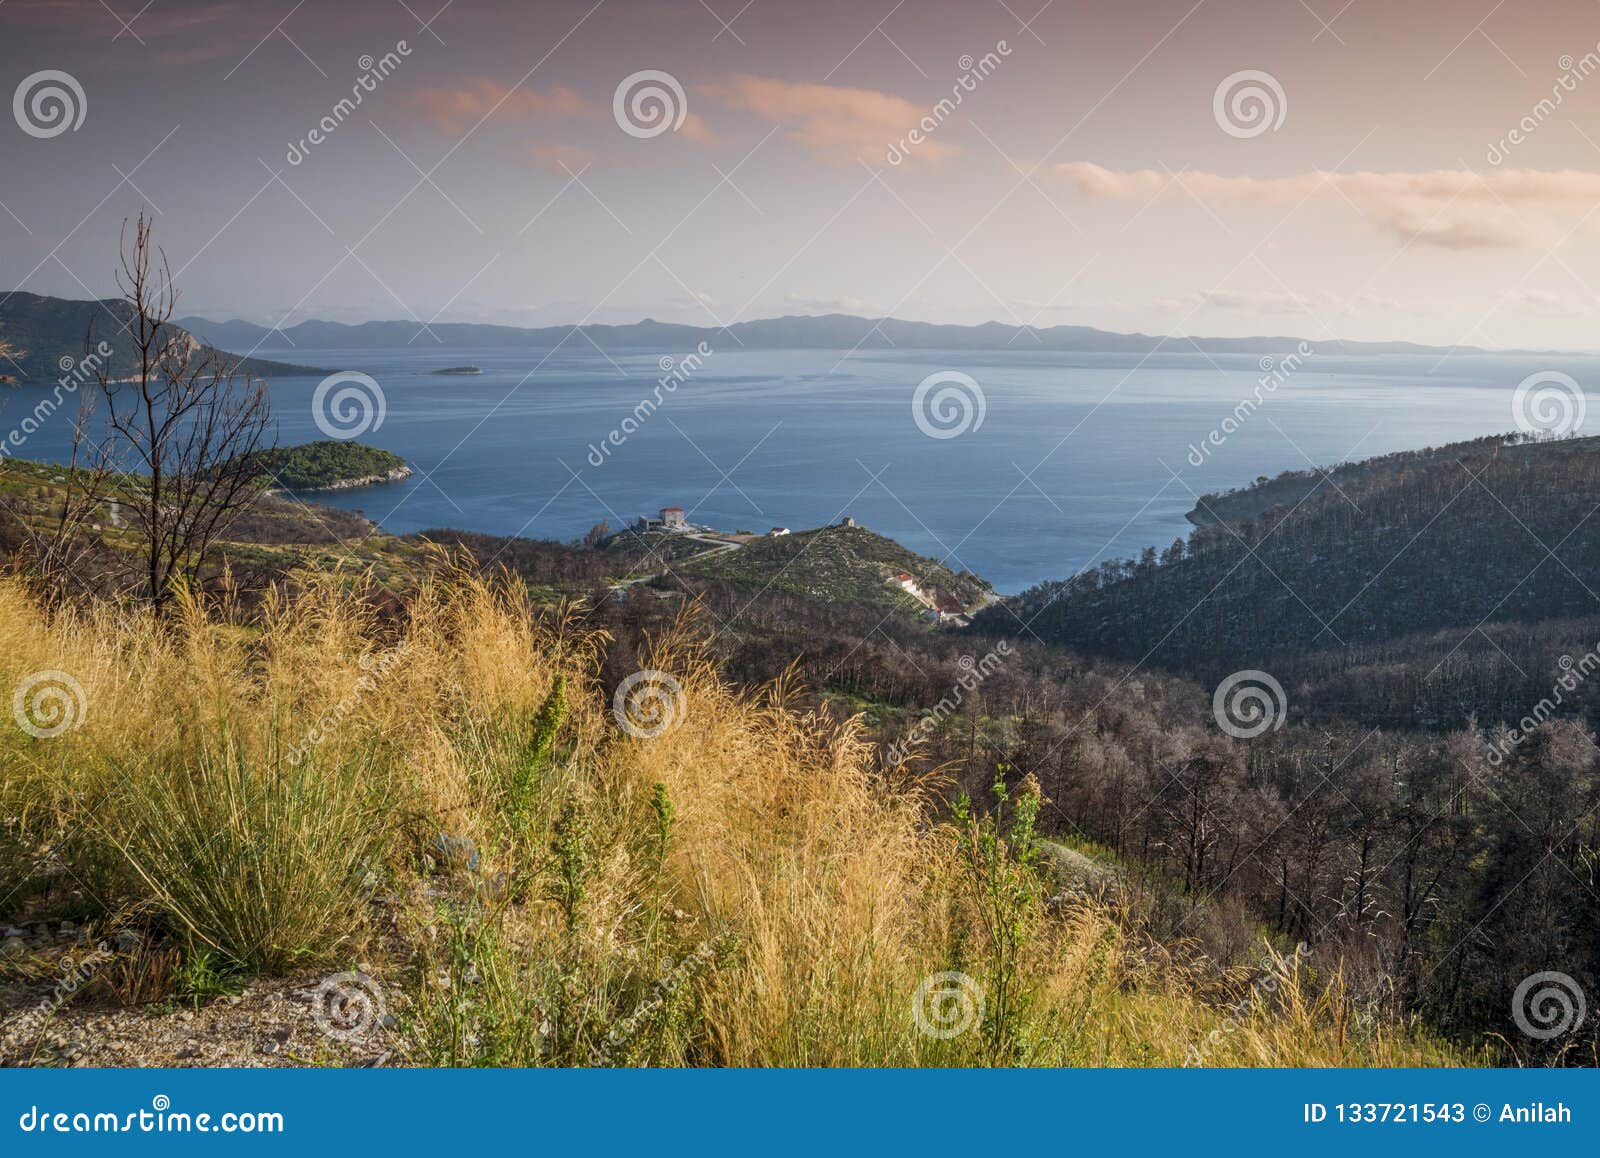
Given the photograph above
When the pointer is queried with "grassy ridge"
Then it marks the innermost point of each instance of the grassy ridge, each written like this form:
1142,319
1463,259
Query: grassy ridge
448,798
838,565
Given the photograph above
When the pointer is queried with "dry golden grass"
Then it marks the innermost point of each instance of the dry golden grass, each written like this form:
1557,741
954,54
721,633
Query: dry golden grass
742,890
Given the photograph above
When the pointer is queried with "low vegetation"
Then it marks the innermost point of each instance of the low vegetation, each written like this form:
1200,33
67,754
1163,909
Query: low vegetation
446,797
327,464
839,564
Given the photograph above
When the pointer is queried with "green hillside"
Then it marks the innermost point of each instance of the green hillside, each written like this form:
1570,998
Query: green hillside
838,565
330,465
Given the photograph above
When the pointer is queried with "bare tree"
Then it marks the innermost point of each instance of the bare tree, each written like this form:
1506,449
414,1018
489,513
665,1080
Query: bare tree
191,422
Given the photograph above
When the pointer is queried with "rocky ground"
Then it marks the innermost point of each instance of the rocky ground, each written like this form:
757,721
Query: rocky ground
58,1007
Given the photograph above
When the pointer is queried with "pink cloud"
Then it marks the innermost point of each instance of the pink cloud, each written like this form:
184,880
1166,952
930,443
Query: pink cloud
457,109
562,158
1446,208
837,124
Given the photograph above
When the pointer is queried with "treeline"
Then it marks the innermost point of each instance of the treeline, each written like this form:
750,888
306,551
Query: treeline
326,463
1290,487
1416,544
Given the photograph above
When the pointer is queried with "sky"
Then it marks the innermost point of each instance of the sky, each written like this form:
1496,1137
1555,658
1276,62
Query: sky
1425,171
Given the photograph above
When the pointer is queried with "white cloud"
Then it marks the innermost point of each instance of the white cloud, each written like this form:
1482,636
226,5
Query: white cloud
1446,208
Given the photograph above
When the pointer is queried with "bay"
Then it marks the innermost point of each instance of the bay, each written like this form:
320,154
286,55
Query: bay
1077,458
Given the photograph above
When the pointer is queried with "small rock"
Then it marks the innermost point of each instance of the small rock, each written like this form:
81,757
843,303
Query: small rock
388,1021
270,1046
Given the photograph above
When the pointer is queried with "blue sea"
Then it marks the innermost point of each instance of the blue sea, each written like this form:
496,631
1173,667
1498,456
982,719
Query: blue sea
1077,458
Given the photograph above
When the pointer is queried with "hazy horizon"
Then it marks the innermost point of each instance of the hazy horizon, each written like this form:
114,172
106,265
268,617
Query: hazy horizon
1206,167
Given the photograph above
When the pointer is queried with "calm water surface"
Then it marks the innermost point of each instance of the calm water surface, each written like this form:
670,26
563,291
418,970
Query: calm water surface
1078,457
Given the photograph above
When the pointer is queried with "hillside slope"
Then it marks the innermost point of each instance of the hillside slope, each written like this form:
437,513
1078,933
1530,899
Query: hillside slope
839,565
47,330
1494,531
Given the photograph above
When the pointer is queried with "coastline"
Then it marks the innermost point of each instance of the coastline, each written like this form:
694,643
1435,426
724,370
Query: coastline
398,474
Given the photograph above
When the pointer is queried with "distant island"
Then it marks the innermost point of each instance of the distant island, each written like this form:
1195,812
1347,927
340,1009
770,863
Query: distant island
457,370
822,332
330,466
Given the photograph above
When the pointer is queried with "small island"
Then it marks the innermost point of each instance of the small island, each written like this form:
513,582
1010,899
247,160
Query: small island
458,370
330,465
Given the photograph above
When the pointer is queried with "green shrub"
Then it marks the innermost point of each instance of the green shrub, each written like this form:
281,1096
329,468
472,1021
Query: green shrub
265,863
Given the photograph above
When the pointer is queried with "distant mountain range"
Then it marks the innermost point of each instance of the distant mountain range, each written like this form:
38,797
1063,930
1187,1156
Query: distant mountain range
48,331
827,332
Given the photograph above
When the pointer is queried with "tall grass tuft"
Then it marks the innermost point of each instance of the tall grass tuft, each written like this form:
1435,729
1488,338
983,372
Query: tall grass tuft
263,860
